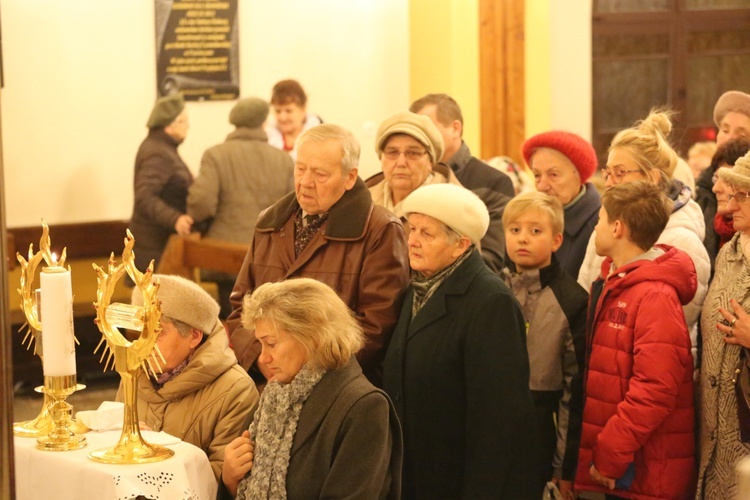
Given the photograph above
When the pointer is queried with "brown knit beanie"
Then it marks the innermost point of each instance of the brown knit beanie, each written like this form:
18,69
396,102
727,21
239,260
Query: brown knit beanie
734,100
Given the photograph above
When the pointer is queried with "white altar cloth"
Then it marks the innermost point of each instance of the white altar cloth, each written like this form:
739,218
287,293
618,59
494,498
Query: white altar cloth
72,475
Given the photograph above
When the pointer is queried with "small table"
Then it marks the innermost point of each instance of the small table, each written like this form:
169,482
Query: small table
72,475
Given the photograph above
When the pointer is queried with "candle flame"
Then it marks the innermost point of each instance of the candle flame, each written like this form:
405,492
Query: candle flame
54,257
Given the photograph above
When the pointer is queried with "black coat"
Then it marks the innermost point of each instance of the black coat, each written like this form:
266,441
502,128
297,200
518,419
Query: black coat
458,375
706,199
495,189
160,189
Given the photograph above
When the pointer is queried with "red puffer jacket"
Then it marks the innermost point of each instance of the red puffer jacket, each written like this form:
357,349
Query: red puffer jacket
638,423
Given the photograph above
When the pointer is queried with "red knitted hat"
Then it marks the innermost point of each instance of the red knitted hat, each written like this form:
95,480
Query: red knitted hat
574,147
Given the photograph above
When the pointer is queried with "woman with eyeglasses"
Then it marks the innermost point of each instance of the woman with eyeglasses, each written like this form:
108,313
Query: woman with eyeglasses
409,147
643,152
726,338
711,196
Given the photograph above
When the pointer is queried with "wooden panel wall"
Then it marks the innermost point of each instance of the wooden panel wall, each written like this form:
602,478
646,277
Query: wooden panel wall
501,77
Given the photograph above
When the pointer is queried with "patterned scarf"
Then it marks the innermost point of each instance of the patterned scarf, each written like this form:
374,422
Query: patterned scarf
424,287
304,232
272,432
159,379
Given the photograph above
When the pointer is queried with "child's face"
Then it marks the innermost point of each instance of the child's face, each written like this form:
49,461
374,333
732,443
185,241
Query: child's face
604,238
530,240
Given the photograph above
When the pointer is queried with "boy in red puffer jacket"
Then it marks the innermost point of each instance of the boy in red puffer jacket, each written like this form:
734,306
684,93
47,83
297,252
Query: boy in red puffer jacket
638,428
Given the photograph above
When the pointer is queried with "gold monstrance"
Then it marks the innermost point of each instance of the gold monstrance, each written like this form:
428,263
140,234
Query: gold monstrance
44,423
128,357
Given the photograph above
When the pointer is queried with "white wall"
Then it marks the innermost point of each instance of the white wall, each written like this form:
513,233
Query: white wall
570,66
558,66
80,83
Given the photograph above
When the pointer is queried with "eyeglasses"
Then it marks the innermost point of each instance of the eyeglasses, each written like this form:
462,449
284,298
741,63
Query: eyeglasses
410,154
616,174
740,197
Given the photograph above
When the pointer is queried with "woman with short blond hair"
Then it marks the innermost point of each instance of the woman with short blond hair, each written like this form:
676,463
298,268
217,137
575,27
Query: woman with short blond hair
321,429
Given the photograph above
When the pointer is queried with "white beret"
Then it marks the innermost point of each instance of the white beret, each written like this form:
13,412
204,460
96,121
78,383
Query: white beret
455,206
183,300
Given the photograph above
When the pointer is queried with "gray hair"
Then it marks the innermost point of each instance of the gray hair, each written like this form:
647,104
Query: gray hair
329,132
182,328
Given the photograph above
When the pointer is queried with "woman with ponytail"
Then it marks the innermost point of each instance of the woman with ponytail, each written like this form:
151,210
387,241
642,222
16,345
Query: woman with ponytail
643,152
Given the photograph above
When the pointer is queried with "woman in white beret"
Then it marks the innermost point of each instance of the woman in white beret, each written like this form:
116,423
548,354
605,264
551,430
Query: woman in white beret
456,368
322,430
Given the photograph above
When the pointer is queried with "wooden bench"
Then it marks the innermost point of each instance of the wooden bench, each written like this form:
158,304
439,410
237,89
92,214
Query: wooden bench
185,256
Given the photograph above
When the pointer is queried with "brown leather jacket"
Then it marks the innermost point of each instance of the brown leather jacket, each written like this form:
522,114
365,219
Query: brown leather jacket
360,251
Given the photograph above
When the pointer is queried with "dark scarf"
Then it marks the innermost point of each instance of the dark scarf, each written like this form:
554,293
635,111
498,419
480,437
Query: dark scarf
424,287
303,233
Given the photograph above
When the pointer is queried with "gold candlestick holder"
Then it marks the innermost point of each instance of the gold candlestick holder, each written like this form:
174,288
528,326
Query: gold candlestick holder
129,357
61,437
43,423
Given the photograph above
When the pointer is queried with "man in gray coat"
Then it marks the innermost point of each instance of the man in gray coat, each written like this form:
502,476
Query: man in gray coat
238,179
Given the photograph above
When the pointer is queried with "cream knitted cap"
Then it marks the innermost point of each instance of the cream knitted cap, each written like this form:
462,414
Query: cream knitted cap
183,300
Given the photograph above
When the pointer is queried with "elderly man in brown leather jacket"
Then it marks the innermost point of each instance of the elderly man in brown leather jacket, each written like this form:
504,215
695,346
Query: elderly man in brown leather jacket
330,230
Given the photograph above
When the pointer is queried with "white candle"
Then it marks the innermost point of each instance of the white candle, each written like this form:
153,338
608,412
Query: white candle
58,343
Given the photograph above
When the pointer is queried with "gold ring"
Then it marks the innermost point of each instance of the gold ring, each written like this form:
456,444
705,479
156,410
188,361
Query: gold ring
733,322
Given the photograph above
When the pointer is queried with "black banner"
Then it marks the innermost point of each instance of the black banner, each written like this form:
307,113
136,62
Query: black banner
197,49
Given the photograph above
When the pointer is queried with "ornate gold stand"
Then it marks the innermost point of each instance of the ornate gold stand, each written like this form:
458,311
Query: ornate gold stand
42,424
131,448
61,437
129,357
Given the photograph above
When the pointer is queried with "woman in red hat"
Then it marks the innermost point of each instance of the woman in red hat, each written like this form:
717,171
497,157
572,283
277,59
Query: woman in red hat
562,163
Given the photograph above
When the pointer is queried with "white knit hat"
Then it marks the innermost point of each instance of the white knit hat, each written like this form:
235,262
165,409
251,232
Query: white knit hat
739,175
455,206
183,300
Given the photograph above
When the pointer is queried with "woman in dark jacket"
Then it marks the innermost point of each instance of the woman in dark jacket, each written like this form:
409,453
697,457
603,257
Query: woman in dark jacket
562,164
161,182
457,368
321,429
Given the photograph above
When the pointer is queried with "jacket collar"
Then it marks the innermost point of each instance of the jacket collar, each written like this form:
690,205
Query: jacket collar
544,276
320,400
456,284
160,135
209,362
347,218
248,134
578,214
460,158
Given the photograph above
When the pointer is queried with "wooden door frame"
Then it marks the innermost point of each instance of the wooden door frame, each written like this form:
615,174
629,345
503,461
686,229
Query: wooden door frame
502,78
